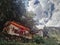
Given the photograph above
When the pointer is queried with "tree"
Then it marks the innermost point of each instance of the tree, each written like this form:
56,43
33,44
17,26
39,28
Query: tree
11,10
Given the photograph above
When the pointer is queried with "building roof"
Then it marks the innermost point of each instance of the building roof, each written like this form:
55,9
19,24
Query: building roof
19,25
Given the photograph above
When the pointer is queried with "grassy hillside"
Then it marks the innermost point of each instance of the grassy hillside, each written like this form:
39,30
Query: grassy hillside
53,32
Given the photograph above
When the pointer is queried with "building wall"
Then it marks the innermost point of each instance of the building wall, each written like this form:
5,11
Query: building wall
10,31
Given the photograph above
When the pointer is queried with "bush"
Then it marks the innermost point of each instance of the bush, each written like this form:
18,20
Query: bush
44,41
38,39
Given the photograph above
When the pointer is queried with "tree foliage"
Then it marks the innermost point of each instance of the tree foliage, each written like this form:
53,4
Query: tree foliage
11,10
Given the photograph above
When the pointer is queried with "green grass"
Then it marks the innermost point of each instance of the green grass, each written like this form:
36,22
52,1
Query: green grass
37,40
46,42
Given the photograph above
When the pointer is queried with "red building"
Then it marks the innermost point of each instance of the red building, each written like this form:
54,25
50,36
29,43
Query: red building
14,28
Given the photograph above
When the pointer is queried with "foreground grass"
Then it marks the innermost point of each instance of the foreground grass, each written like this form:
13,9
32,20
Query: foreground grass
49,41
37,40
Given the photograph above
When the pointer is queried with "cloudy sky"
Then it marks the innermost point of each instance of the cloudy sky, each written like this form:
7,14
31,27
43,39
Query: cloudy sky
47,12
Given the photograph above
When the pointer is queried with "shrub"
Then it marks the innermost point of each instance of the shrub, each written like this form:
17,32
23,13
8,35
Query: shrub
38,39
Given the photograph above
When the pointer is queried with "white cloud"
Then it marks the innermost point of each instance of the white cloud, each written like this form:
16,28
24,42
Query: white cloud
45,6
55,20
40,26
31,5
